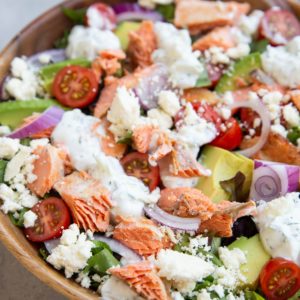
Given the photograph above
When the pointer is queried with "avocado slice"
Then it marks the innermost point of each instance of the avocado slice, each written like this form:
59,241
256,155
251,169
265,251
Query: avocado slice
224,165
256,256
12,113
240,70
49,72
123,30
250,295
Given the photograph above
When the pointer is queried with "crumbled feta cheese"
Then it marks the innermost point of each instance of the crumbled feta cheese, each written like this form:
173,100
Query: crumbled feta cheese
152,3
38,142
72,257
184,287
176,296
273,100
278,128
87,42
45,58
9,199
279,226
164,120
8,147
116,289
216,55
124,112
218,289
24,85
169,102
239,51
256,122
291,115
178,266
4,130
239,36
232,259
227,98
203,295
175,51
69,236
225,113
29,219
283,63
84,280
249,24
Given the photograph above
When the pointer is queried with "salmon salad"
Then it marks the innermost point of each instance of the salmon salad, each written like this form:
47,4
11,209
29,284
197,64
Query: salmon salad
154,152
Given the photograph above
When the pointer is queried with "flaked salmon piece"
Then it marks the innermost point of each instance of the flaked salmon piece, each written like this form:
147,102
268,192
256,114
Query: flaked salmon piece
108,62
142,43
200,94
87,199
108,93
186,202
141,235
219,225
143,278
274,148
235,209
197,15
219,37
108,144
48,168
184,163
295,97
142,136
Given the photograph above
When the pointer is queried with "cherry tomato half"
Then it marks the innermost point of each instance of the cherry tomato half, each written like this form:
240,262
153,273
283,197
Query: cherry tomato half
231,138
279,26
53,216
280,279
75,86
101,16
136,164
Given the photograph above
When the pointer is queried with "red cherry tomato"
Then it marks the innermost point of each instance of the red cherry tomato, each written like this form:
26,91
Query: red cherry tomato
280,279
53,216
231,138
215,72
248,116
136,164
75,86
101,16
279,26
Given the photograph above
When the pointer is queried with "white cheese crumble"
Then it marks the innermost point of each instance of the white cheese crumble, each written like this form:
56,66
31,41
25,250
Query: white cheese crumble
4,130
169,102
115,289
72,257
29,219
279,129
279,226
124,113
87,42
175,51
45,59
84,280
163,119
291,115
178,266
8,147
283,63
249,24
24,84
239,51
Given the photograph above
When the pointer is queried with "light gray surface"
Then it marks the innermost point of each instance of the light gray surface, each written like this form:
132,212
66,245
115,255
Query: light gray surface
16,283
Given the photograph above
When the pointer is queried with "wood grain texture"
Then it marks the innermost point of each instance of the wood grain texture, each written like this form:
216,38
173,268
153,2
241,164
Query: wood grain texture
37,36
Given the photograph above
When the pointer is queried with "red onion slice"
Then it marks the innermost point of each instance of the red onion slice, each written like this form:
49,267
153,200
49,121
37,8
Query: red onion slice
117,247
132,11
259,107
161,217
50,245
152,81
56,55
272,180
49,118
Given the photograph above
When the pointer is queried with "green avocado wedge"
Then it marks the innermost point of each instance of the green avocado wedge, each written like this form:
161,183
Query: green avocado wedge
224,165
122,32
256,257
12,113
240,70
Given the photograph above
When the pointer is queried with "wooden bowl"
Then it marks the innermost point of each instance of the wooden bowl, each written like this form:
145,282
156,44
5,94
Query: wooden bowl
38,36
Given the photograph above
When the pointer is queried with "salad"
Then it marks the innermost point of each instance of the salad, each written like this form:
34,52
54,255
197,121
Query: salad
153,153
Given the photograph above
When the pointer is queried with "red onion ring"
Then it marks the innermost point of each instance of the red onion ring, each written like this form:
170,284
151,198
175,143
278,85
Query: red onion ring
161,217
119,248
49,118
50,245
259,107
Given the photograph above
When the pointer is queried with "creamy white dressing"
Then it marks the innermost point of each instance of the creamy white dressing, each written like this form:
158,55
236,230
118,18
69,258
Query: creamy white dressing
278,222
74,134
